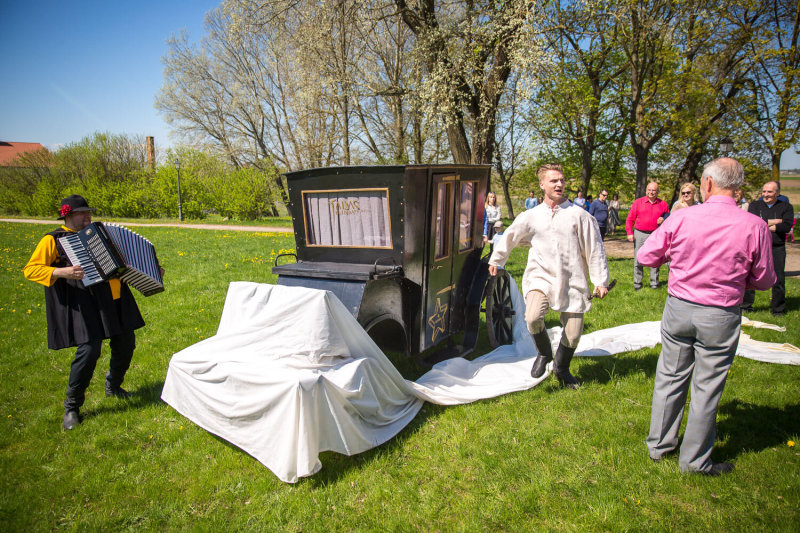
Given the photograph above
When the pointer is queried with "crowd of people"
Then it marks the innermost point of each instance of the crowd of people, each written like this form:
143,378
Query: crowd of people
606,211
719,249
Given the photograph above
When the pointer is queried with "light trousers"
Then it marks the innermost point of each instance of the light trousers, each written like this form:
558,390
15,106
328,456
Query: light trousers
536,307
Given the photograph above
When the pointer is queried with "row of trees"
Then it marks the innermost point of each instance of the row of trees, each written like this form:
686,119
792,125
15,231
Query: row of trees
114,174
615,89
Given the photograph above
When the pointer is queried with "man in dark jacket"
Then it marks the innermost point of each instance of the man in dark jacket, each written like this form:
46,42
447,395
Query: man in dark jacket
83,316
779,217
599,210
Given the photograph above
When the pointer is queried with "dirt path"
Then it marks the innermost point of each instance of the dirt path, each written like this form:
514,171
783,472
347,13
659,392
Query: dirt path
614,247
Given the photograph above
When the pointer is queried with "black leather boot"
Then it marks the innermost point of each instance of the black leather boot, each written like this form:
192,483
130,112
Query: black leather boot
545,349
115,390
561,367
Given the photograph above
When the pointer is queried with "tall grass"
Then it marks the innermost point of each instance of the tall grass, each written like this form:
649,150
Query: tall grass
544,459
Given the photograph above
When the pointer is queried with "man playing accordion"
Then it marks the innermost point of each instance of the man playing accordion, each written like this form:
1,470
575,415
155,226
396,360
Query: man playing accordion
83,316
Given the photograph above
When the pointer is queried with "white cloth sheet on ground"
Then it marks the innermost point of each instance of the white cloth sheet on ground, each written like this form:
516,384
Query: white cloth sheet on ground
290,374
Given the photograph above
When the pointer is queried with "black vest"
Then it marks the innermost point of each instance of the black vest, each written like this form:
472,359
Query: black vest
77,314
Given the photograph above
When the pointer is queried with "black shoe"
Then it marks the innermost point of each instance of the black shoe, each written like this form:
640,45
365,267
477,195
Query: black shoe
637,288
568,381
561,367
71,419
718,469
116,392
777,313
545,349
746,309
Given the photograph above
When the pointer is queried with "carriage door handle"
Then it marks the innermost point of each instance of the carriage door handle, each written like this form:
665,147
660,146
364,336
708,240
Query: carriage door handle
437,267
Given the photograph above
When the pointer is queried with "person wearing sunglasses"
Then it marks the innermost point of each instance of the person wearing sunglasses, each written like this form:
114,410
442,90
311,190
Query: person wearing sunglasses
688,197
599,210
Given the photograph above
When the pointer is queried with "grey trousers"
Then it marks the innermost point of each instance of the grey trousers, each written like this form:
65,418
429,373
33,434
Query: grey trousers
698,343
638,270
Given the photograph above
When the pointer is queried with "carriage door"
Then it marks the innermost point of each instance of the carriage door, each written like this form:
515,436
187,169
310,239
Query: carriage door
443,250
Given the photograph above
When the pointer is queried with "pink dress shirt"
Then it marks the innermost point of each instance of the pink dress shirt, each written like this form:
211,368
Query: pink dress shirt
715,250
644,214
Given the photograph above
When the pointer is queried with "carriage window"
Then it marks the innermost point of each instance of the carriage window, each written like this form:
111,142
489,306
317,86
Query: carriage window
348,217
466,215
444,193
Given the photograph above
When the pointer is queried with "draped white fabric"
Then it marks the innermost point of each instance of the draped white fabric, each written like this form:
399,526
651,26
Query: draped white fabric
290,374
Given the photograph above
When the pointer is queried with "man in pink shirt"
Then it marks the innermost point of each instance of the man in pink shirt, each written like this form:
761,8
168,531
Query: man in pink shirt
646,214
716,251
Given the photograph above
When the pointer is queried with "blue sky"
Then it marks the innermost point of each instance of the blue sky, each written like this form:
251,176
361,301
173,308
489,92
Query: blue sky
69,69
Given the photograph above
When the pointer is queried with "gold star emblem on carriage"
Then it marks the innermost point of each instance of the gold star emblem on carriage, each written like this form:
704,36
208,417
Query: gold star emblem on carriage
436,321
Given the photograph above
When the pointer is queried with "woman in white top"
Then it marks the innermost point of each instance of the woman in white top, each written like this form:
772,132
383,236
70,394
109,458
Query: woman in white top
492,212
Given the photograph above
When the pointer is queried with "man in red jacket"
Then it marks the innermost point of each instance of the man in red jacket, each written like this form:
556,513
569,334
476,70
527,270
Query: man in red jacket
646,214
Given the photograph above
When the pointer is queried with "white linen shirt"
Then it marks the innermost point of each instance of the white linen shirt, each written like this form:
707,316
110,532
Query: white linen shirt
566,251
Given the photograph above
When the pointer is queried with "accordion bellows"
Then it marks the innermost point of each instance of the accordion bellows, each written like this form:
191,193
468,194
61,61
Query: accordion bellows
106,251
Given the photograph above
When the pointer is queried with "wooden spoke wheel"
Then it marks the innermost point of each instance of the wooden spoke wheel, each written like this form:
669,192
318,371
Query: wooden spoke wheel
499,309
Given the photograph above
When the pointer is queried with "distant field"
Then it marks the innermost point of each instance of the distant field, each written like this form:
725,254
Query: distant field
791,188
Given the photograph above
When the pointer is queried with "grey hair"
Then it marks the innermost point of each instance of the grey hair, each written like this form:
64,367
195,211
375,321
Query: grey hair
777,185
726,172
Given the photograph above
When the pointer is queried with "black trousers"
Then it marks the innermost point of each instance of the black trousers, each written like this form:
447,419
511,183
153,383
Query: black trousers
778,302
82,368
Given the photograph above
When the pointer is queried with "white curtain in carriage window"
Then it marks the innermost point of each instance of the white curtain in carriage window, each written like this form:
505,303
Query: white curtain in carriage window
357,218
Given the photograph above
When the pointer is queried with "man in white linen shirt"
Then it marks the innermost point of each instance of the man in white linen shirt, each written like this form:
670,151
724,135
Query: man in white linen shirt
566,250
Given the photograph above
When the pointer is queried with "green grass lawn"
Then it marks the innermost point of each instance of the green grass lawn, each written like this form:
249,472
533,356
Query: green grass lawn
540,460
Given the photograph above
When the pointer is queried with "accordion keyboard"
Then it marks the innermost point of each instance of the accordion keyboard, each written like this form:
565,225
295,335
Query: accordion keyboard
78,255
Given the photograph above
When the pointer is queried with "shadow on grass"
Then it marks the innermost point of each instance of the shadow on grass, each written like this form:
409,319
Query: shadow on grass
747,426
792,302
603,370
144,396
335,465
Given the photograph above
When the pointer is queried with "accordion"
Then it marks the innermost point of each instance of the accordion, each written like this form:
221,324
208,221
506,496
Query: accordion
106,251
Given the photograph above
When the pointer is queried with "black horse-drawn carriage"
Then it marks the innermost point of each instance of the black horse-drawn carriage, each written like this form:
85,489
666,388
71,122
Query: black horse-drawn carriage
401,247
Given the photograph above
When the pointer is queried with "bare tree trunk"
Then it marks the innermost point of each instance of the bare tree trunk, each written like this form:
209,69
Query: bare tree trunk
587,151
504,180
776,166
688,173
419,145
459,145
641,154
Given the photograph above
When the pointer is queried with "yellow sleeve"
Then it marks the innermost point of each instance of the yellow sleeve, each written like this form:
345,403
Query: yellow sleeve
38,268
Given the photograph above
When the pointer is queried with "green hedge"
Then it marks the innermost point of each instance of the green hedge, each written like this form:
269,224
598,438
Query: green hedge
207,186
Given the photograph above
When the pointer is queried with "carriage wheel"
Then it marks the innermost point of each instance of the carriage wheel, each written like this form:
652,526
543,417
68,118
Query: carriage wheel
499,309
